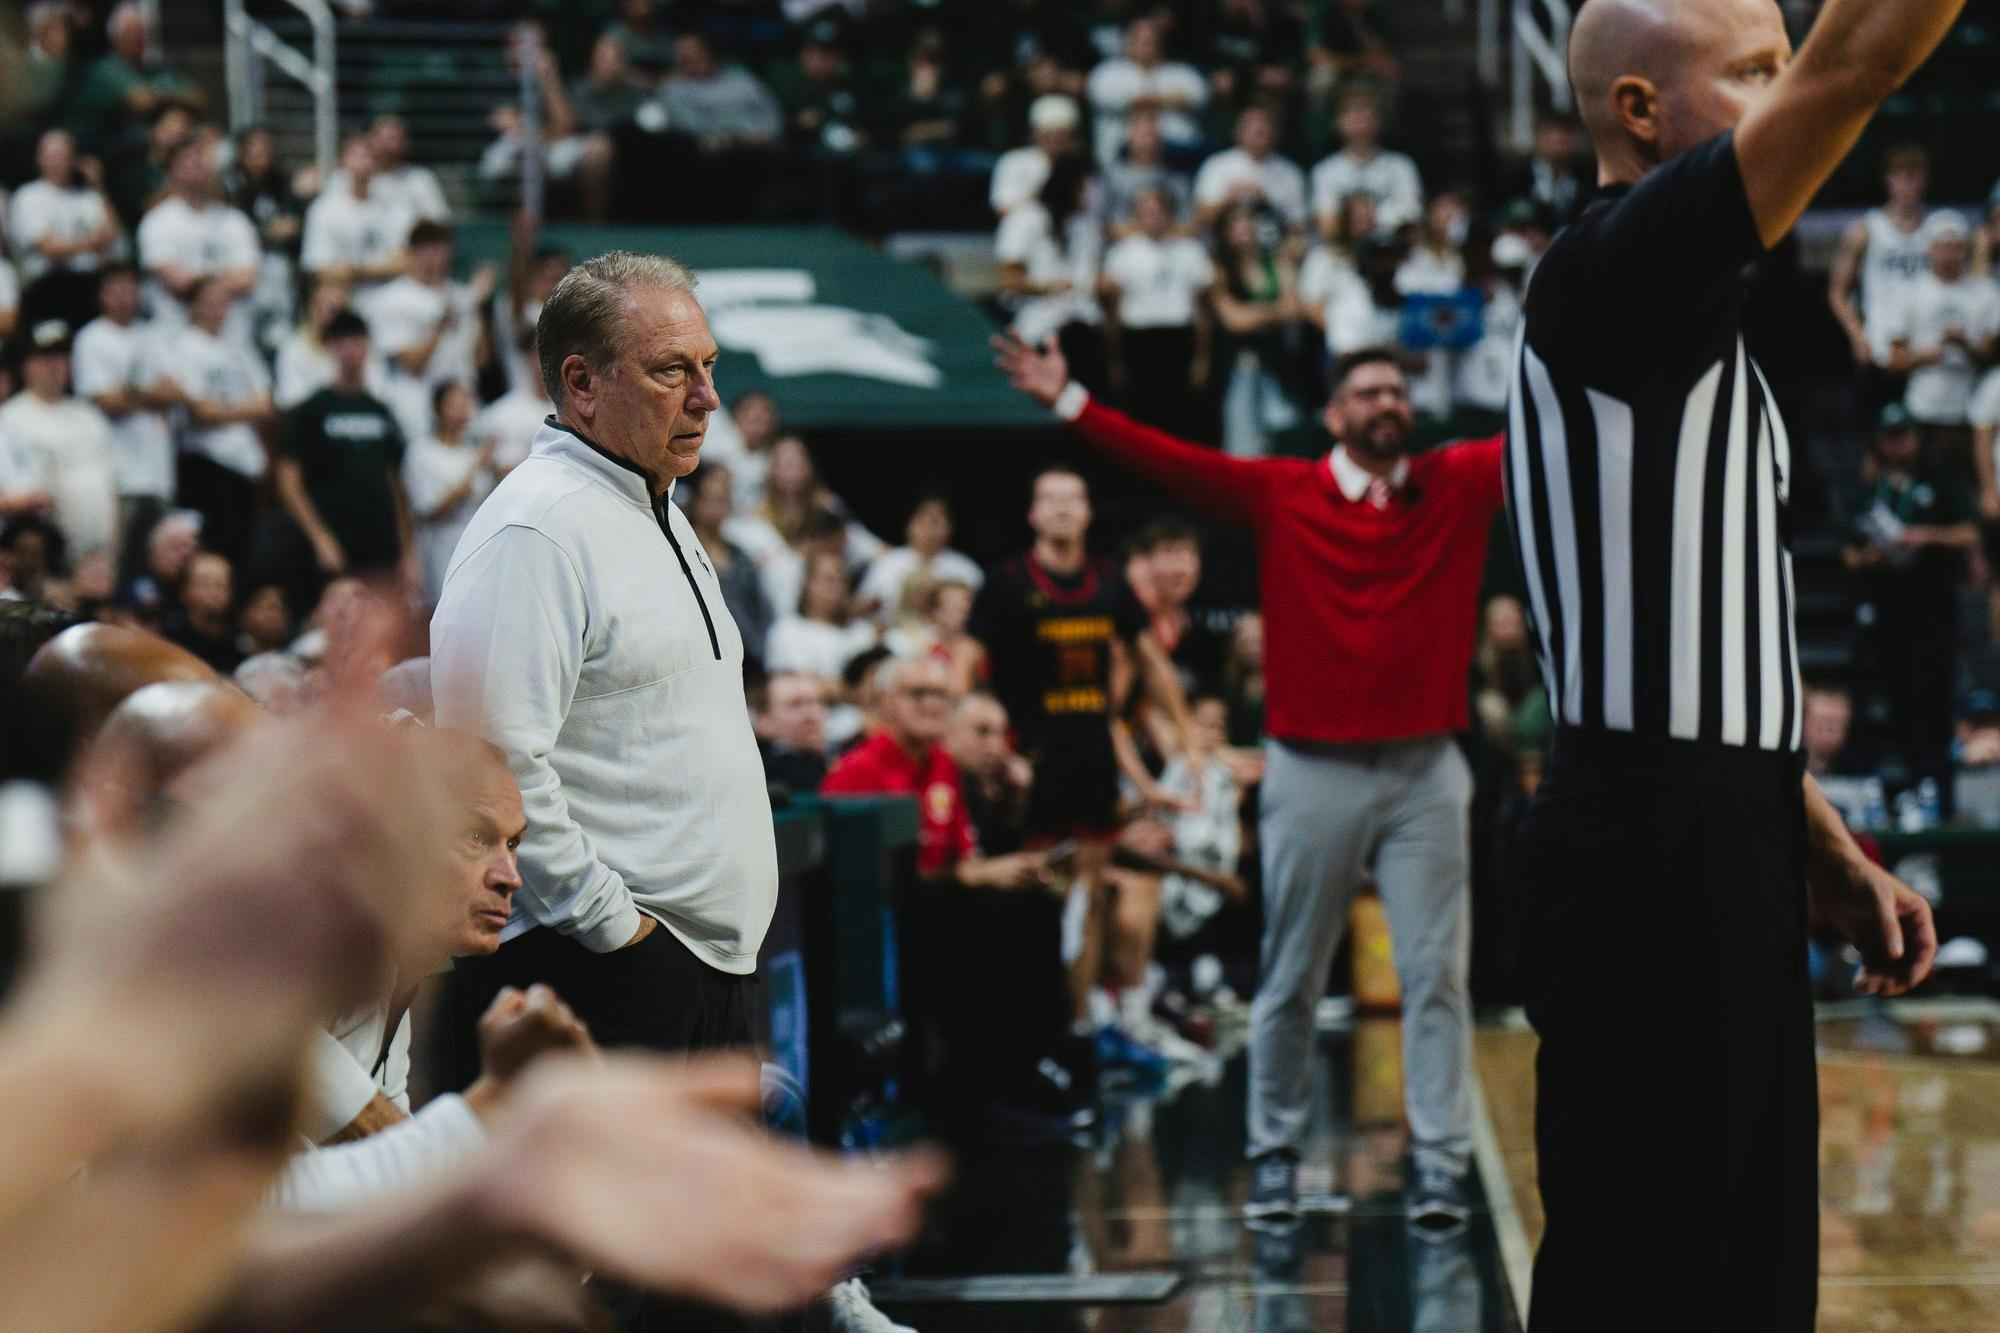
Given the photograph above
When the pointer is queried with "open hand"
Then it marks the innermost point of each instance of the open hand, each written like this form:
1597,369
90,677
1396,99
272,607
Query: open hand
1041,375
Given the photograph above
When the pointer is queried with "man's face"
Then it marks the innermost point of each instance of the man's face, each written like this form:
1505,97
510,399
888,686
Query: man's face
118,297
190,171
46,374
1898,447
1255,134
607,61
128,37
432,261
651,405
1061,508
1372,412
1949,257
711,505
55,157
1827,717
485,873
795,713
1150,214
390,141
693,59
350,355
1142,43
820,63
207,591
264,617
358,161
1175,569
953,608
1727,56
917,710
1359,123
930,528
979,736
756,420
1906,184
1506,625
170,548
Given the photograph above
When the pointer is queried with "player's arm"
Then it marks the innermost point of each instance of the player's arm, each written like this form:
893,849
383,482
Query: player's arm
1840,288
1859,53
1232,489
1884,918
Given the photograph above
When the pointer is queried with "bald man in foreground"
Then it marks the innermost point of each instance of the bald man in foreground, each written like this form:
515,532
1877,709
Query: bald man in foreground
1666,867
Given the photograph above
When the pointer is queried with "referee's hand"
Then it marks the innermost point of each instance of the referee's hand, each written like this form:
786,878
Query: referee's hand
1889,922
1041,375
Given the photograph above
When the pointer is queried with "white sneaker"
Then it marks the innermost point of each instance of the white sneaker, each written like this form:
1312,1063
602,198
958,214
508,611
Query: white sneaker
853,1311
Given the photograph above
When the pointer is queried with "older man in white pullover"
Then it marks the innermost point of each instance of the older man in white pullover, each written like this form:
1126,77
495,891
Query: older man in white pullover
582,630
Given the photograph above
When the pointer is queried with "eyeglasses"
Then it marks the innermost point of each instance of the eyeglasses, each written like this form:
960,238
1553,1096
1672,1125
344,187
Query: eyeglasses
921,692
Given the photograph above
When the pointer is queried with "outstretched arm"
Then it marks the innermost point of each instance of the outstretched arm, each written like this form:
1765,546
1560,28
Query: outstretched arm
1860,52
1232,489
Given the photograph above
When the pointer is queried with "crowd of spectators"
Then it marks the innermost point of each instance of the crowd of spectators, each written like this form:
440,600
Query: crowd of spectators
1914,290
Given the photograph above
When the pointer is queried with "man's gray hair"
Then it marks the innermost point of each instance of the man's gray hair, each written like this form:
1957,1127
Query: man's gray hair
890,670
583,314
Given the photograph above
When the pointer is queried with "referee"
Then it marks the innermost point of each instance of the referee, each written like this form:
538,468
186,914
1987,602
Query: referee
1666,864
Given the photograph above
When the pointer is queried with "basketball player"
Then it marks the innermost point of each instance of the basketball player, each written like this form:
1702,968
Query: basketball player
1666,863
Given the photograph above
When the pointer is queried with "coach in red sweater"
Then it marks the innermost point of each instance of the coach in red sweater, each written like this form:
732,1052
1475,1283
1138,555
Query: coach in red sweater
1370,563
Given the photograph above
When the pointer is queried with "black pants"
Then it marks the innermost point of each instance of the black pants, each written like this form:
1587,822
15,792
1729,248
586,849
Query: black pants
1663,945
655,995
226,501
986,988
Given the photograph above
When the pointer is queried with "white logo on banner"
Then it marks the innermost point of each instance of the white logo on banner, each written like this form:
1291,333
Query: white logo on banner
771,313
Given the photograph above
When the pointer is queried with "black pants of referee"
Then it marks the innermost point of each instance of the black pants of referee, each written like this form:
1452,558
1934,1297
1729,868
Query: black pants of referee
1663,942
655,995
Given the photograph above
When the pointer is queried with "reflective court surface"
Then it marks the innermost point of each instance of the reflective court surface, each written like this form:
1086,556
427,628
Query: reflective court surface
1158,1191
1909,1161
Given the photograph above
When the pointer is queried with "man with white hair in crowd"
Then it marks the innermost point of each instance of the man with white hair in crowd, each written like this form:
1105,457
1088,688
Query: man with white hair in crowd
1020,173
1141,78
1254,169
58,223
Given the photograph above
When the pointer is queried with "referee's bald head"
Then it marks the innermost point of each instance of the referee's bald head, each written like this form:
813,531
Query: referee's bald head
1654,78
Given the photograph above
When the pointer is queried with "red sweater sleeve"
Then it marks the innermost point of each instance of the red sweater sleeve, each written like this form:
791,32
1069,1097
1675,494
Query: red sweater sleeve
1479,463
1232,489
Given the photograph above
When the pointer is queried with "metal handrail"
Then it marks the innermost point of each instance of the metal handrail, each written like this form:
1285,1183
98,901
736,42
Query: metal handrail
247,44
1540,47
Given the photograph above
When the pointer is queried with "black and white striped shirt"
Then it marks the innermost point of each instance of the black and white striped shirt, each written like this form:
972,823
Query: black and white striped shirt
1648,470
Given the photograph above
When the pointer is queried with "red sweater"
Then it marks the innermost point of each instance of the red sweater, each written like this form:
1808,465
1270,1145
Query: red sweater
880,767
1369,614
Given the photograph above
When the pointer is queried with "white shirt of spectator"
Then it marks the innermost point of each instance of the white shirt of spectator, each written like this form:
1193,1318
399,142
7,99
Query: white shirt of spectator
222,370
889,575
1018,176
304,367
1890,267
202,241
1027,237
1115,84
815,647
1330,284
403,313
410,189
1486,369
342,230
513,419
1277,178
431,468
1158,281
1941,393
40,211
1390,179
107,358
69,443
1430,272
362,1035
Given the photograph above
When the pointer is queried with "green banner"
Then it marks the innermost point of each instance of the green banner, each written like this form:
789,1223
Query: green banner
840,335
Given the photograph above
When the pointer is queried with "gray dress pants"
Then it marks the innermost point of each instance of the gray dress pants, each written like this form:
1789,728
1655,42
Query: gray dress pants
1329,812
